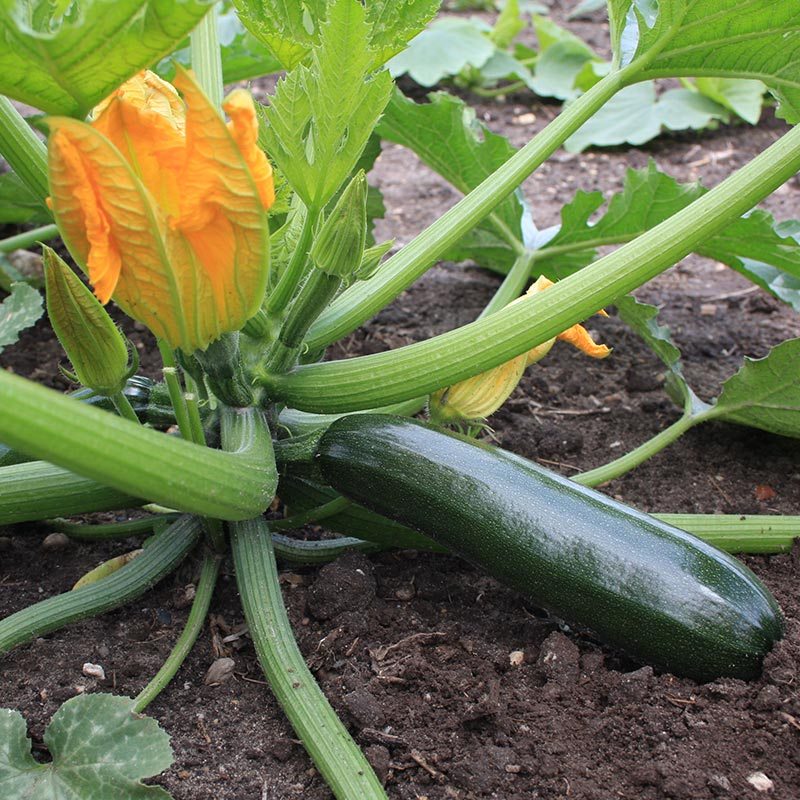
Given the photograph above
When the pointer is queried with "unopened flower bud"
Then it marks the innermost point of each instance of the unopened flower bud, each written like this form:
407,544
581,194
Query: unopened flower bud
93,343
339,246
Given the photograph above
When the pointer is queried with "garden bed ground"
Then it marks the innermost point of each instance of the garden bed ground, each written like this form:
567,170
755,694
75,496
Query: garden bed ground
414,650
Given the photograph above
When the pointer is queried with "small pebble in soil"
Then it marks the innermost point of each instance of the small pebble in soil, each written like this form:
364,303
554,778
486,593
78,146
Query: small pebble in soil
94,671
54,542
516,658
559,658
219,671
760,782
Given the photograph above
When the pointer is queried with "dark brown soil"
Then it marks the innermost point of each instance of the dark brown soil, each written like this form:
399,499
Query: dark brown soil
455,686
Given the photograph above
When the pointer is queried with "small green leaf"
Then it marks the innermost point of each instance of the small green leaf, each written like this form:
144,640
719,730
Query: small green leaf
637,114
323,114
65,58
100,748
745,98
508,26
586,7
759,39
442,51
21,309
446,136
765,392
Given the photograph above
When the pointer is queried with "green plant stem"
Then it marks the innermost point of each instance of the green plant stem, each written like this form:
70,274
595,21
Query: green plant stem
163,555
124,407
625,463
194,624
513,284
138,461
325,738
170,372
23,150
28,238
500,91
87,532
37,490
290,279
207,59
739,534
302,553
192,400
421,368
312,515
363,300
318,290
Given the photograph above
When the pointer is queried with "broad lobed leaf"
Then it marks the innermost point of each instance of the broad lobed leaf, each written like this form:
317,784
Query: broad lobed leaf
65,58
446,136
100,748
756,39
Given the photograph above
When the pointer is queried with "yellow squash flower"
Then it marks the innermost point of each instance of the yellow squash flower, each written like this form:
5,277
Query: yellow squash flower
164,206
476,398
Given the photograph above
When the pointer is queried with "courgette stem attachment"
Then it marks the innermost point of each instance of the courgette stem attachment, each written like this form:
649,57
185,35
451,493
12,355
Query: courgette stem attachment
339,760
163,555
194,624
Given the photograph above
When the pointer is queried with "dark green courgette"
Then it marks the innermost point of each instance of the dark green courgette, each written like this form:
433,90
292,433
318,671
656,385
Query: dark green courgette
655,591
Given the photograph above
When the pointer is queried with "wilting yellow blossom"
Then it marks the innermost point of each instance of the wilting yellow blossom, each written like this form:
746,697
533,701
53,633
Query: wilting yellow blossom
164,206
477,397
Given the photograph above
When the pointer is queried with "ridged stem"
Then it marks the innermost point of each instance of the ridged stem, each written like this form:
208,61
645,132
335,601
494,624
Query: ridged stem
107,531
25,153
164,553
38,490
513,284
137,460
303,553
290,279
421,368
337,757
185,642
207,59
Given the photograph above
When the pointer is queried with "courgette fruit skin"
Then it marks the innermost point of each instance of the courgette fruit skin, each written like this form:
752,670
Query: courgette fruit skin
652,590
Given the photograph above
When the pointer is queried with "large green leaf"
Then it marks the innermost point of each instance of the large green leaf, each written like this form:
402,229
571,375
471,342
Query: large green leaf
765,393
100,748
757,39
446,136
65,57
21,309
762,250
323,114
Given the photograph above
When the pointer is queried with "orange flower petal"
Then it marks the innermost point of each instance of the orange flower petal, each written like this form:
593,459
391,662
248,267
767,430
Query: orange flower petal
243,127
128,258
145,120
221,214
83,221
579,337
